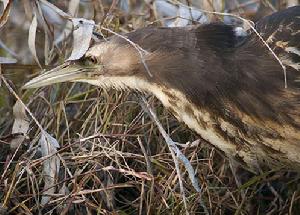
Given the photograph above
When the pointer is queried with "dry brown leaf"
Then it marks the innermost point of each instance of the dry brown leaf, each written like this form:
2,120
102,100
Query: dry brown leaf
49,146
56,9
56,16
31,39
4,16
83,31
41,17
51,15
20,126
73,7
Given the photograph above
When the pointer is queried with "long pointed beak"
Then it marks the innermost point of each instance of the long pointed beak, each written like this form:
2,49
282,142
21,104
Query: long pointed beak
66,72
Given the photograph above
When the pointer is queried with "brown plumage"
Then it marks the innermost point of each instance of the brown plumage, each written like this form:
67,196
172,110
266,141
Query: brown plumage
229,89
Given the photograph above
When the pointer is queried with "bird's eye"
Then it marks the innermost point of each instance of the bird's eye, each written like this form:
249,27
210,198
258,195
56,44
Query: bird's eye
91,60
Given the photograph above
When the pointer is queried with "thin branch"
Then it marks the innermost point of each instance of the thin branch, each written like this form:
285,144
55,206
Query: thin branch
179,155
11,90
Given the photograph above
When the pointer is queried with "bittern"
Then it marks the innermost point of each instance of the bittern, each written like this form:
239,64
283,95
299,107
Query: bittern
230,89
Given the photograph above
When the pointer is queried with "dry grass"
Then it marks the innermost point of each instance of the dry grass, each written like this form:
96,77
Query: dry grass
113,159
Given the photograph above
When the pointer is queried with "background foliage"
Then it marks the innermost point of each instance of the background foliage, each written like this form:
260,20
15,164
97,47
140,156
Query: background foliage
112,158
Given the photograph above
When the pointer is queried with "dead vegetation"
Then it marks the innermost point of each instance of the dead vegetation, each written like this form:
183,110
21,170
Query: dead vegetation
84,150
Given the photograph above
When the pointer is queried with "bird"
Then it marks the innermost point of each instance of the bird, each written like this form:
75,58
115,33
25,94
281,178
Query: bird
239,93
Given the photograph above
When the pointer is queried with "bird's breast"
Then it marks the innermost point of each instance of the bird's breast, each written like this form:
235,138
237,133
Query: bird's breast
253,143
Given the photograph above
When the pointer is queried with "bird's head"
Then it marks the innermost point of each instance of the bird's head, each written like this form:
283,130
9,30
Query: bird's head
168,57
106,64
